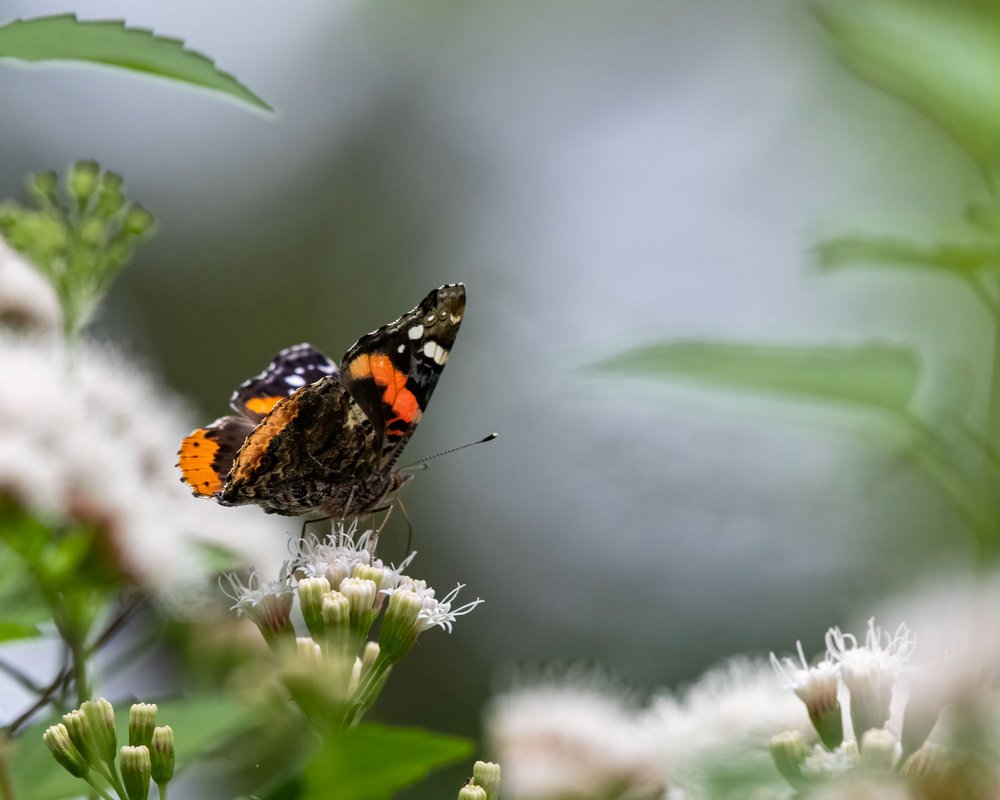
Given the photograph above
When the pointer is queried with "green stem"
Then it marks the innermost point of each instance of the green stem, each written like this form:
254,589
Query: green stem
163,790
99,789
6,784
991,491
79,655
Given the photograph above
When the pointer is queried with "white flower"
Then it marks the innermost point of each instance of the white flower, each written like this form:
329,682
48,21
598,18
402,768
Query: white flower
27,299
816,686
824,764
440,613
267,603
570,740
870,671
335,556
738,703
87,436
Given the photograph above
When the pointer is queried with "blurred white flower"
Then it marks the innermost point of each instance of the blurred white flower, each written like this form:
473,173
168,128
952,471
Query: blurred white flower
268,604
336,556
571,738
86,435
27,299
738,704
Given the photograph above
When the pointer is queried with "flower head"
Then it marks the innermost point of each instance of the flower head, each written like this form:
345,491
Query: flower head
267,603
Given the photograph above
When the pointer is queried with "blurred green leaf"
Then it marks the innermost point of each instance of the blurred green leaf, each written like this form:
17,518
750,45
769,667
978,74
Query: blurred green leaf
14,630
943,58
877,375
109,43
372,762
200,725
962,259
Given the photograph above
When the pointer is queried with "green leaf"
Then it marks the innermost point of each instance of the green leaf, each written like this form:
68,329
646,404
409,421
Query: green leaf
108,42
200,726
961,259
942,58
372,762
874,375
13,630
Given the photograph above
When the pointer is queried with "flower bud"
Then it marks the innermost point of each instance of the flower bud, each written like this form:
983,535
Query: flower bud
43,185
136,768
788,750
361,595
472,792
141,721
336,610
879,750
91,231
399,630
368,657
487,775
161,755
311,592
78,727
100,716
82,180
138,221
65,752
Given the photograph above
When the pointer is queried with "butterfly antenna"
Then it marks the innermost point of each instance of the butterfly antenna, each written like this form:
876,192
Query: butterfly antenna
422,464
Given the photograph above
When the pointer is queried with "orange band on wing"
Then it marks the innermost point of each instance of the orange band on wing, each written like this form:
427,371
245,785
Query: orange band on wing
195,460
262,405
380,368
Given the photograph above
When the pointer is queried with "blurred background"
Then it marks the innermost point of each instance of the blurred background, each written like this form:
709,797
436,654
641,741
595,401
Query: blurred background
600,176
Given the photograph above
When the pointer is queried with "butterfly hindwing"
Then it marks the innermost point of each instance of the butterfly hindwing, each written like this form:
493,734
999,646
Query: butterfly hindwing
293,368
207,454
391,372
315,439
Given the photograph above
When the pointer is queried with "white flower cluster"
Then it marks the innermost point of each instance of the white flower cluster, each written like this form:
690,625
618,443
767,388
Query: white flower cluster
87,436
343,559
27,300
578,738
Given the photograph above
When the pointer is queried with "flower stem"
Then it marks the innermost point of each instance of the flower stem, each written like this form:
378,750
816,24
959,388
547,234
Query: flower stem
991,492
163,790
6,786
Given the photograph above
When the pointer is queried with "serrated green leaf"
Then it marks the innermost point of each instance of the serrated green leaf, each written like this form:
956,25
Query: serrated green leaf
941,58
200,725
372,762
109,43
962,259
873,375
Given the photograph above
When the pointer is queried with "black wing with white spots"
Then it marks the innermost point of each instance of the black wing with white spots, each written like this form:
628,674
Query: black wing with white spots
293,368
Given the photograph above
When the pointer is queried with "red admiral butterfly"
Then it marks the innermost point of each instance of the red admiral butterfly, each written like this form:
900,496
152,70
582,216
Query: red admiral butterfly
310,437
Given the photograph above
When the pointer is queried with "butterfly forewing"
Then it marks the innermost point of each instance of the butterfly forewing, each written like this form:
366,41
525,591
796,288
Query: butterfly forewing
392,372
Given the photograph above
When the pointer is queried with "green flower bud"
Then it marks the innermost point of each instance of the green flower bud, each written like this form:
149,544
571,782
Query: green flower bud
136,768
81,735
472,792
141,721
311,592
43,185
162,755
788,749
100,716
82,180
92,231
58,741
111,182
487,775
399,626
138,221
109,203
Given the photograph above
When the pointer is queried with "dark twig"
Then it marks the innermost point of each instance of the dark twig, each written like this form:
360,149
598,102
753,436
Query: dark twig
66,674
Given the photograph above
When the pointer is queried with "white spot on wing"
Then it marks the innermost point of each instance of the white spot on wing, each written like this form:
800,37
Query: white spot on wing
295,380
401,348
415,332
